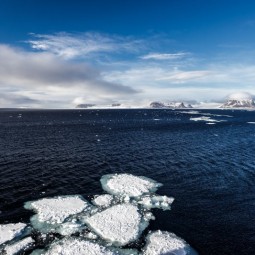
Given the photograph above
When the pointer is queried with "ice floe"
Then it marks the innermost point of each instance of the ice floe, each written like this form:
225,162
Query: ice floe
103,200
10,231
128,185
56,210
163,243
119,224
205,118
160,202
52,212
19,246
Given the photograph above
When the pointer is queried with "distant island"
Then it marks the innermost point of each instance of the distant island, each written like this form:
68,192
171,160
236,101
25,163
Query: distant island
241,100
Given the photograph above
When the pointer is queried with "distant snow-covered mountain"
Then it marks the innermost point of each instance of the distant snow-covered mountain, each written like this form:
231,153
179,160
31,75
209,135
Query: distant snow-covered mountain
239,100
171,105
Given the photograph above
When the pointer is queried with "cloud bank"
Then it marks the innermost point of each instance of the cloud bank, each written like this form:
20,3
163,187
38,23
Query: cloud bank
39,74
63,69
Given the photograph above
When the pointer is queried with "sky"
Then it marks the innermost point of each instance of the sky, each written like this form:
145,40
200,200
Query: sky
57,54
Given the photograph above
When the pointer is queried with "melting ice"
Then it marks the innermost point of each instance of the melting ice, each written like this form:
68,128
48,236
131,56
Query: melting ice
75,226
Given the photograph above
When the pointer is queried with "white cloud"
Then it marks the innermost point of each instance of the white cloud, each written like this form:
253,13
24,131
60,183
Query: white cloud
27,74
165,56
184,76
83,45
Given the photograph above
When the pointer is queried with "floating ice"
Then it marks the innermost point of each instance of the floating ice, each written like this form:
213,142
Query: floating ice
190,112
163,243
128,185
103,200
119,224
161,202
56,210
19,246
9,231
68,228
82,247
251,122
51,212
204,118
115,219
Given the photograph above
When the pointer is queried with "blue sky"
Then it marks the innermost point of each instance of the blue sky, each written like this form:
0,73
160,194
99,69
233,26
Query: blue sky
61,53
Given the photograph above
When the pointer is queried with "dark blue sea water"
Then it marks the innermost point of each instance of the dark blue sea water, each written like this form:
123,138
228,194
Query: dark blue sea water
208,169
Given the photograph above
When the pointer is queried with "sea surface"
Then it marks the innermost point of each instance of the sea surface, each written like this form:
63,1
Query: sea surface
208,168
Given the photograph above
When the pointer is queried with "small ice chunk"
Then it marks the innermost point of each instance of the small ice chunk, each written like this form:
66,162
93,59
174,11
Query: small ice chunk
128,185
68,228
91,235
103,200
82,247
9,231
119,224
56,210
161,202
19,246
190,112
205,118
162,243
251,122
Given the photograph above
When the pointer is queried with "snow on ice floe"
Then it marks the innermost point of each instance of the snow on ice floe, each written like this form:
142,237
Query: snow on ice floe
119,224
51,212
18,246
155,201
10,231
103,200
128,185
77,246
163,243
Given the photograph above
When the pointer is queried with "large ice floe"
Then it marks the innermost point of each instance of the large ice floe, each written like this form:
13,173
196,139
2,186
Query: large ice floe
128,185
52,213
119,224
103,225
163,243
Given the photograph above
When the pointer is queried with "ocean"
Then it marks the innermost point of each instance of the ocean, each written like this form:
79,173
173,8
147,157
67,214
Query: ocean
205,159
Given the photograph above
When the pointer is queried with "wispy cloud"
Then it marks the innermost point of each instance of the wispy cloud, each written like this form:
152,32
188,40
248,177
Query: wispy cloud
85,44
165,56
184,76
